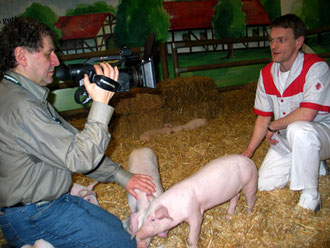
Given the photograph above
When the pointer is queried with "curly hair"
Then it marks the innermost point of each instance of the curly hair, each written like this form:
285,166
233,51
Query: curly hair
291,21
21,32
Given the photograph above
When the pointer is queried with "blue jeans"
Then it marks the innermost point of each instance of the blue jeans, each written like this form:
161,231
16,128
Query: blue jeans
66,222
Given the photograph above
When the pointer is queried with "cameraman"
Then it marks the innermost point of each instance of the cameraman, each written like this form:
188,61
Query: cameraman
39,150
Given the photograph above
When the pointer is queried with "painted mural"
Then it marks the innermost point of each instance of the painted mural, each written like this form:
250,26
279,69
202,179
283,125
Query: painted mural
137,18
91,25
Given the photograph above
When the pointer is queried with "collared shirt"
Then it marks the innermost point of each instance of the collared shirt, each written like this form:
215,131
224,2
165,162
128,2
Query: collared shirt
39,150
310,91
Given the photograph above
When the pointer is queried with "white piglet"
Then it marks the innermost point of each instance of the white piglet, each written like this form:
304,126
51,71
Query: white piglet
86,193
217,182
142,161
39,244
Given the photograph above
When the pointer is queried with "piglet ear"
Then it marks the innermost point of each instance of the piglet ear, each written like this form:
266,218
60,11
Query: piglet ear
163,234
169,125
150,197
75,189
133,223
162,213
92,185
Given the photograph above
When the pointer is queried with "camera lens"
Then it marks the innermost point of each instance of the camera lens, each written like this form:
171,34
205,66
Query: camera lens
62,72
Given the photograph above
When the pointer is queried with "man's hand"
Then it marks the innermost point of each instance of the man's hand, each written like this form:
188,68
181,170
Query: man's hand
95,92
247,153
259,132
269,138
141,182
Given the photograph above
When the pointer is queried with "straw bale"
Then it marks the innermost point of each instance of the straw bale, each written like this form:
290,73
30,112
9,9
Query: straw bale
132,125
275,220
174,101
141,102
204,110
188,90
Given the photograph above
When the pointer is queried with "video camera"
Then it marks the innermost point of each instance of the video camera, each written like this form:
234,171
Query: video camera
133,72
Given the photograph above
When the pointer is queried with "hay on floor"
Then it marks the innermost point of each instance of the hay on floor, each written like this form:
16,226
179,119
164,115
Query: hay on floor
275,221
174,101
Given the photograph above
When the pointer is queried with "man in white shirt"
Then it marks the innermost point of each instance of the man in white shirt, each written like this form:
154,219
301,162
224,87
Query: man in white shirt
293,107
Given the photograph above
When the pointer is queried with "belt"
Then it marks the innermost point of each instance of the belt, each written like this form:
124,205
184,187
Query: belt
22,204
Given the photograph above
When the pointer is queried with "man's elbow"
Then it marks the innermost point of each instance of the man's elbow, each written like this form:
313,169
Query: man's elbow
309,114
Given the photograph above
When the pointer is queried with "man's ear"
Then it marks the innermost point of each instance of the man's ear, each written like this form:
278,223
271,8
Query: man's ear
300,42
20,56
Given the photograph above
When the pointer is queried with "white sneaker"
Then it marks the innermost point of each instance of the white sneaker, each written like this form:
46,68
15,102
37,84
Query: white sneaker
307,201
323,168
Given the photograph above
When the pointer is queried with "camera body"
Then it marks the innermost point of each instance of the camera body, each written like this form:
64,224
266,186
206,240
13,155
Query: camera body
133,72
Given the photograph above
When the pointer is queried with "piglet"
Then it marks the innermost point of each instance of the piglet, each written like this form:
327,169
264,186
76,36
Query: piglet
190,125
39,244
142,161
86,193
167,129
170,129
217,182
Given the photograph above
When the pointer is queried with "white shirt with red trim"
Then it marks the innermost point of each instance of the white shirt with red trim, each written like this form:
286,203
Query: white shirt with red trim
307,85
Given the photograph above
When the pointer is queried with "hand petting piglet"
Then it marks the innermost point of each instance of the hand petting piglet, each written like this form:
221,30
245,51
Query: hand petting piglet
142,161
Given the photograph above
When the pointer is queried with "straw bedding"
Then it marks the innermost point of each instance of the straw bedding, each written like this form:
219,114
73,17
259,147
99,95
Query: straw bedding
275,221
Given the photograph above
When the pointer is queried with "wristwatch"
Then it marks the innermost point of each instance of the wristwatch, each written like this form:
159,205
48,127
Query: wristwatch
269,129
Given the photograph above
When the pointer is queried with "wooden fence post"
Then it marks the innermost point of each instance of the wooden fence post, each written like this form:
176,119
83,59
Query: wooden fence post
175,62
163,60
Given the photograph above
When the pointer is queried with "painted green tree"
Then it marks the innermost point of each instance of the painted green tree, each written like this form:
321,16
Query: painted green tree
229,19
45,15
96,7
136,19
315,14
272,7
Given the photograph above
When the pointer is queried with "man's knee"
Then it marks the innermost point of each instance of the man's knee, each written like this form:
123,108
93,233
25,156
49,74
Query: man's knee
302,133
264,185
268,184
268,181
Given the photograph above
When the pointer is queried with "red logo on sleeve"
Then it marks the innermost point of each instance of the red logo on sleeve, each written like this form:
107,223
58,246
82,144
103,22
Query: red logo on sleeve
318,86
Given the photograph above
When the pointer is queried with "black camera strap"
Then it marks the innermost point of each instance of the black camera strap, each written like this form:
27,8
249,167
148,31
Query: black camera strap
106,83
81,96
15,81
12,79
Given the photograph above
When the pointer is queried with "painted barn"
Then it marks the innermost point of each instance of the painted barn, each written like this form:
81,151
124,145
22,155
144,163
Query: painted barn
190,20
85,33
257,19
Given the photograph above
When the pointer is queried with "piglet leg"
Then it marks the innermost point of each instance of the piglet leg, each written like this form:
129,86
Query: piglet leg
195,226
232,206
250,200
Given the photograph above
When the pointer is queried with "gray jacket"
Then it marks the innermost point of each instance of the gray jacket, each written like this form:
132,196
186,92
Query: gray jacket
39,150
